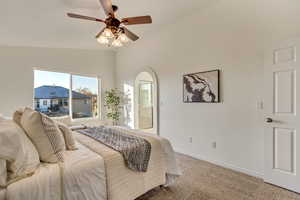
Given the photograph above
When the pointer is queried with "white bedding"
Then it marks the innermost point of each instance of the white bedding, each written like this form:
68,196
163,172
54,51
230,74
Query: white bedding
2,194
84,175
173,170
44,184
125,184
96,172
83,178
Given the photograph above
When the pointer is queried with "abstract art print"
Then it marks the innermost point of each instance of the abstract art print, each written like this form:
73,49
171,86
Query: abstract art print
202,87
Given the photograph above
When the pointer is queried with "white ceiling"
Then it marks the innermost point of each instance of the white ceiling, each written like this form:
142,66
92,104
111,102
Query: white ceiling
44,23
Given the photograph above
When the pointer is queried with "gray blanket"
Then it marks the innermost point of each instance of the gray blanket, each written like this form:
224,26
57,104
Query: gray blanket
135,151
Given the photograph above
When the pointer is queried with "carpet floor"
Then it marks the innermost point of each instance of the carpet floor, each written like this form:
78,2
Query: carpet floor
204,181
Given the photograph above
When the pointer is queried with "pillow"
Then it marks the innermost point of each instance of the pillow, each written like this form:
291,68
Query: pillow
3,173
68,136
17,116
45,135
20,155
65,120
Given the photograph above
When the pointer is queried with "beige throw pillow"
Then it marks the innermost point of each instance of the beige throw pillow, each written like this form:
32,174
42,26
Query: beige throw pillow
45,135
68,136
17,150
65,120
18,115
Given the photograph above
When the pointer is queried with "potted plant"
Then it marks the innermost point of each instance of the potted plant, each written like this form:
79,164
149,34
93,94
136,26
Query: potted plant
113,103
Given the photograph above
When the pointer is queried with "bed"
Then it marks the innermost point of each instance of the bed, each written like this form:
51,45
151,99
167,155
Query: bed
2,193
97,172
82,176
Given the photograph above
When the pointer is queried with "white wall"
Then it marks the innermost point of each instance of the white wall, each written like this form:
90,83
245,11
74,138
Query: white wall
229,35
17,64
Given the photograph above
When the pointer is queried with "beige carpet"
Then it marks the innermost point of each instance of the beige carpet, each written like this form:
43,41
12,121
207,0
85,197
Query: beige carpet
205,181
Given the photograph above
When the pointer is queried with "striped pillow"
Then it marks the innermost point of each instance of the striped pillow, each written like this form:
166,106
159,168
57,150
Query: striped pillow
68,136
45,135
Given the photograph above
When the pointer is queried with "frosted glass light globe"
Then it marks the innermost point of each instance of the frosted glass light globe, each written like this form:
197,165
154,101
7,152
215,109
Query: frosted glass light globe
117,43
123,38
107,33
102,40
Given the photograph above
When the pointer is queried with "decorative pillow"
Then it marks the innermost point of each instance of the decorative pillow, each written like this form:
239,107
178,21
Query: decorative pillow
18,115
45,135
65,120
16,149
68,136
3,173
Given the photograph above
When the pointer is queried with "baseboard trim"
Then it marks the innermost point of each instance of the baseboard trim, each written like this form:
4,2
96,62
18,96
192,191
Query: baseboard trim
225,165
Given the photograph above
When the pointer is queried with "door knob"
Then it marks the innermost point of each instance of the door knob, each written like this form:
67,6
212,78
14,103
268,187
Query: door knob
269,120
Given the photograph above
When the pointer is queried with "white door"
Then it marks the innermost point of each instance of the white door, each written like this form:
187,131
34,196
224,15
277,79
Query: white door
282,125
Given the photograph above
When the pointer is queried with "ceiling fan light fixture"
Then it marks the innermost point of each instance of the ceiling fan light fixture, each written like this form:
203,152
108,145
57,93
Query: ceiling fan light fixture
123,38
117,43
107,33
115,34
102,40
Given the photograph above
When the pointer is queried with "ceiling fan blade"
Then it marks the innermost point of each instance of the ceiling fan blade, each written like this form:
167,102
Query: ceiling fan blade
137,20
98,35
107,6
84,17
130,34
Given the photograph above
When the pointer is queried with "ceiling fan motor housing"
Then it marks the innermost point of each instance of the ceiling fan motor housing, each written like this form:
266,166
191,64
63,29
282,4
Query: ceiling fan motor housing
112,23
115,8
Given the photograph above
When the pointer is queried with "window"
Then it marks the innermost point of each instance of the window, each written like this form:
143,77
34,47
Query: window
52,94
145,104
66,103
85,97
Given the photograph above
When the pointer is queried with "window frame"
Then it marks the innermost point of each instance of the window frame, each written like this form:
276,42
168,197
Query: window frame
71,74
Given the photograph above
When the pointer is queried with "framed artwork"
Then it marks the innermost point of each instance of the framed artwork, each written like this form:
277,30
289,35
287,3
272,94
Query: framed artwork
202,87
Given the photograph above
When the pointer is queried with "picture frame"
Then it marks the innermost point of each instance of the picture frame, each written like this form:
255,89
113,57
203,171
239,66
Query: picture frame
202,87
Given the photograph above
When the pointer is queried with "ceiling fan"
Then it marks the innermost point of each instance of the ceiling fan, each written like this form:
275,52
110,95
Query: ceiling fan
115,33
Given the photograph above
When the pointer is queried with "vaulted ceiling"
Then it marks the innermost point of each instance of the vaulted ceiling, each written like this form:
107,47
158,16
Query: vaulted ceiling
44,23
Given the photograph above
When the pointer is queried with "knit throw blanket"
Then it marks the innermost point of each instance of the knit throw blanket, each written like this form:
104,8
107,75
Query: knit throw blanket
136,151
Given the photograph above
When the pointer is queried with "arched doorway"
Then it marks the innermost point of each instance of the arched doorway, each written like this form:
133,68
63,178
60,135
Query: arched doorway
145,101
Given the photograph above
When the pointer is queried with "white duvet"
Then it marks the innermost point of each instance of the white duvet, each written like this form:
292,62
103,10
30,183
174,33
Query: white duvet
83,178
2,194
96,172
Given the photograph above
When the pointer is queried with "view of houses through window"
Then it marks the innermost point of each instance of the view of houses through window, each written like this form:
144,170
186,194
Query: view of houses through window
87,87
52,94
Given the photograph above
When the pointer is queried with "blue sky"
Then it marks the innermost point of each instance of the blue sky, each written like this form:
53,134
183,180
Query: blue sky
62,79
